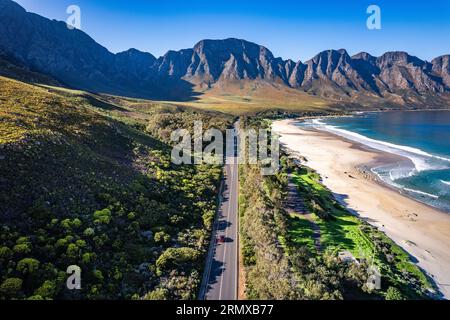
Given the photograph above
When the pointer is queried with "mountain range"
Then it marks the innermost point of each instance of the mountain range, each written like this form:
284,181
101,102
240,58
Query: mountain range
75,60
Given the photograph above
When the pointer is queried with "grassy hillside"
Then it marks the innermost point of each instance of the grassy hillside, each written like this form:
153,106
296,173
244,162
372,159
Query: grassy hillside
342,231
87,180
256,97
246,98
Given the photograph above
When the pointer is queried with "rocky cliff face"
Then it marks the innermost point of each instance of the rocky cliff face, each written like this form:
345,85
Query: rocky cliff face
441,68
400,71
218,61
211,61
332,68
71,56
75,59
47,46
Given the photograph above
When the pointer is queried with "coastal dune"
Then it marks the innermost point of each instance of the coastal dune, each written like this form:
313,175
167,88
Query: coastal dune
424,232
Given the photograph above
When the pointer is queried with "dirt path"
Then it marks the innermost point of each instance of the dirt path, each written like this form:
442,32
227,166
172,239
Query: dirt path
295,204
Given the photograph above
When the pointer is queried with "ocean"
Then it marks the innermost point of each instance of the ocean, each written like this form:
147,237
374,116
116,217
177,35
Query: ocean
423,137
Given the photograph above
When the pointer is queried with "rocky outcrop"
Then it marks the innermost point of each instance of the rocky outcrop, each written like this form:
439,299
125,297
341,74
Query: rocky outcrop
441,69
76,60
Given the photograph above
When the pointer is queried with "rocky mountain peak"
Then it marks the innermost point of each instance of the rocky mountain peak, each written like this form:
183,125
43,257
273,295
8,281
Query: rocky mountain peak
76,60
10,7
397,58
364,56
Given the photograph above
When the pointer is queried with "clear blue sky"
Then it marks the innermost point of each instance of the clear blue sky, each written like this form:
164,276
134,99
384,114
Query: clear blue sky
290,29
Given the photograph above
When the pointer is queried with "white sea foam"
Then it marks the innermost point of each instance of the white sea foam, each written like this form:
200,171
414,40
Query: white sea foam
386,176
392,173
422,160
422,193
396,185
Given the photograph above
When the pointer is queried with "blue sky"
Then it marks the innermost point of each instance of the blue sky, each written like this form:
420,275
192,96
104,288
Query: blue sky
290,29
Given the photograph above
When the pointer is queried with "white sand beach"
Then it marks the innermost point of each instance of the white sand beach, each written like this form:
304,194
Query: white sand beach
424,232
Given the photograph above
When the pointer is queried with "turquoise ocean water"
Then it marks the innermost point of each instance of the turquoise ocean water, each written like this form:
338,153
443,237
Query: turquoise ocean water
423,137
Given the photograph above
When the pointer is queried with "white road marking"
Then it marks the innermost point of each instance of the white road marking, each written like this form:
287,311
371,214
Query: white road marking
226,231
236,237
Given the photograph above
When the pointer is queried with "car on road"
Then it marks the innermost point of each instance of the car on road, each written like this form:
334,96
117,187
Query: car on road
220,239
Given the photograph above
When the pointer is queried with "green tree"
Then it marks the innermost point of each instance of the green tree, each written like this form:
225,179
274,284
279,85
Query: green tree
102,216
393,293
89,232
22,240
88,257
98,275
81,243
66,224
47,290
208,219
5,253
23,248
162,236
157,294
11,287
28,265
174,258
73,251
76,223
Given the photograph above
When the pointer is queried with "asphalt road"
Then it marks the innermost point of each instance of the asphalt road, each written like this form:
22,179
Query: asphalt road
222,270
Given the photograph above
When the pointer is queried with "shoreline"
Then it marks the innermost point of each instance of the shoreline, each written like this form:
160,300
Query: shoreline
382,155
382,158
344,166
354,113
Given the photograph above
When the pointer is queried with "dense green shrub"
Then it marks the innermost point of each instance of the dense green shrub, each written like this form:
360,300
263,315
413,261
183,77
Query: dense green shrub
11,287
85,184
393,293
174,258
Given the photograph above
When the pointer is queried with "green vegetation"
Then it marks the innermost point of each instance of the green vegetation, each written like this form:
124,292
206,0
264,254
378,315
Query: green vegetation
394,294
300,232
87,180
262,254
280,246
270,251
342,231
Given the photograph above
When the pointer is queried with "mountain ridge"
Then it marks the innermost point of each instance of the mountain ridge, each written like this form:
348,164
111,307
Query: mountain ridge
73,58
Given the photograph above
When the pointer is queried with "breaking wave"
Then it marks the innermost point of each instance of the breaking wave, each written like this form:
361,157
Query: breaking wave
422,160
406,175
